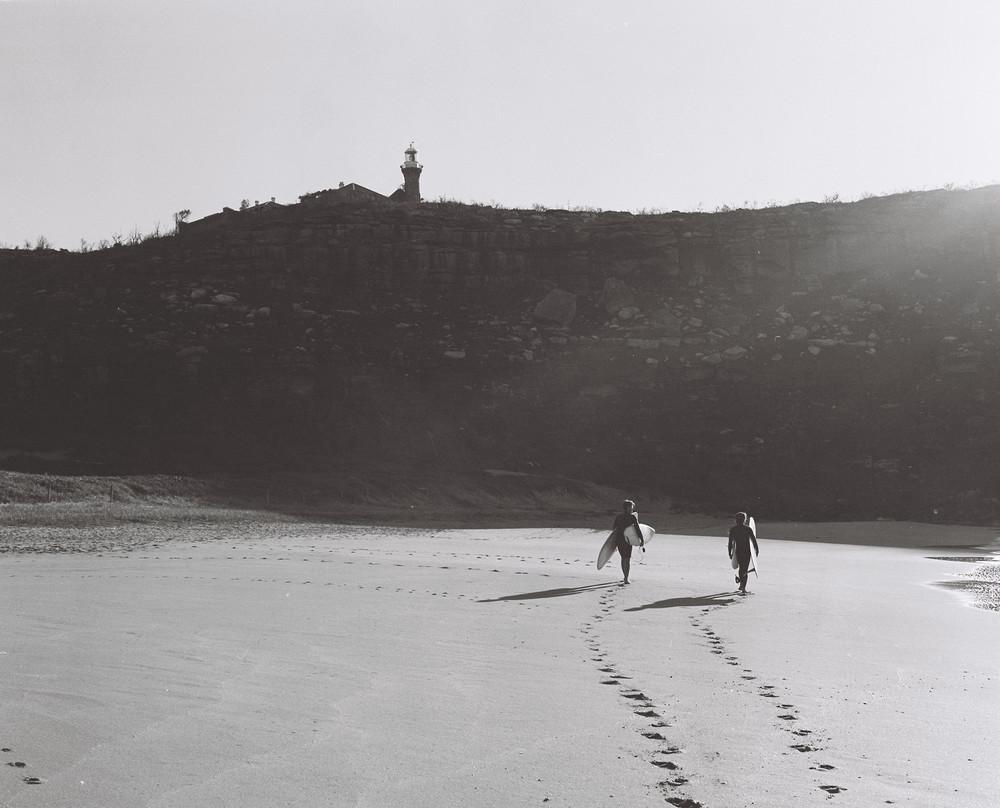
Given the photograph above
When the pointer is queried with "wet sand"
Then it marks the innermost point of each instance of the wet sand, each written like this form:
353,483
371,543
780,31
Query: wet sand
263,662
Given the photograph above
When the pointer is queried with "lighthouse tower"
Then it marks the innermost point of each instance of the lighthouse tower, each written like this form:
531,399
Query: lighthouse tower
411,175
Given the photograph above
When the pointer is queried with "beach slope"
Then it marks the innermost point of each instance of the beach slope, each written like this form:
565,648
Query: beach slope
281,662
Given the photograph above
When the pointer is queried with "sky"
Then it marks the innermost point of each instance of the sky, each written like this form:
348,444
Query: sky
115,114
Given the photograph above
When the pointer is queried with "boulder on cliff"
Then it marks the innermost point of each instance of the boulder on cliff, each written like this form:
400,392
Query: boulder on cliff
557,306
616,296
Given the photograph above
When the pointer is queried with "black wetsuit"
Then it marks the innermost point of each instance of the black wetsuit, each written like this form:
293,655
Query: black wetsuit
622,521
740,537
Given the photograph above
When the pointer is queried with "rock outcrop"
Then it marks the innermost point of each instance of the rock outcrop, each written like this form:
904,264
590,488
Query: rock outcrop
816,360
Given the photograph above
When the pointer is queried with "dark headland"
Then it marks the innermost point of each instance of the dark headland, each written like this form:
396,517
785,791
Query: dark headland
814,361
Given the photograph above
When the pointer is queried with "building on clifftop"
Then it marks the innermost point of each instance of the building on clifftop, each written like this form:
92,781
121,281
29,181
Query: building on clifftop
349,192
410,191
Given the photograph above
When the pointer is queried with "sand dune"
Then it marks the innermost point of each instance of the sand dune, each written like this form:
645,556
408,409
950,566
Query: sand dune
263,664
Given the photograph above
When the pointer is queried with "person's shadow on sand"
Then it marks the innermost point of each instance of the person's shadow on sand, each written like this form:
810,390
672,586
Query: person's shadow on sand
550,593
718,599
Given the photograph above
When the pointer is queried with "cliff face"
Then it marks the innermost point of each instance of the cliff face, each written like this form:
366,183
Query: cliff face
813,360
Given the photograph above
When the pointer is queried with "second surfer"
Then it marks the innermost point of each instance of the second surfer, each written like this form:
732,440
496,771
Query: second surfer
622,521
740,537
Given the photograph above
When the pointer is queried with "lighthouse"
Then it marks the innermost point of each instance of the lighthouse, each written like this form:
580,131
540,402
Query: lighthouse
411,175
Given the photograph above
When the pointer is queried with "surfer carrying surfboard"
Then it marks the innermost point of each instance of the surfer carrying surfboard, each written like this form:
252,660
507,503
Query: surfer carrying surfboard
623,520
740,538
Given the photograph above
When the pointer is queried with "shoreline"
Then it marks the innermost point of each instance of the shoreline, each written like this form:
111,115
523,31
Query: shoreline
884,532
100,528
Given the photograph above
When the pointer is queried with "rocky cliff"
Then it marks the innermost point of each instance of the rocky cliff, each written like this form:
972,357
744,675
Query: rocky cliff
834,360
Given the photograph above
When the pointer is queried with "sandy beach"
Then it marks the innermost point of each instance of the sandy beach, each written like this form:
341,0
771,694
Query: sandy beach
249,661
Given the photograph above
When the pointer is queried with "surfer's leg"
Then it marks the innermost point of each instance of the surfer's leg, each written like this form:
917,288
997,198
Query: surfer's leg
744,573
625,551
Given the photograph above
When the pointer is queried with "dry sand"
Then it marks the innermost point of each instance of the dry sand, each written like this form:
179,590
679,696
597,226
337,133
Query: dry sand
259,662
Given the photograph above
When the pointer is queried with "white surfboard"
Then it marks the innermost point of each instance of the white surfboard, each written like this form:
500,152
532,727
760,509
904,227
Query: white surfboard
633,535
607,550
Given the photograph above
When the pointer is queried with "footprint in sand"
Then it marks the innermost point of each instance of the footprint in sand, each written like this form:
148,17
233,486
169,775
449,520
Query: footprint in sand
609,682
653,736
18,764
32,781
648,713
788,717
826,767
833,789
665,764
803,747
681,802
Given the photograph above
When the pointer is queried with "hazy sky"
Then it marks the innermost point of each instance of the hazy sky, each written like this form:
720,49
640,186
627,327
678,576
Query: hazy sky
117,114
